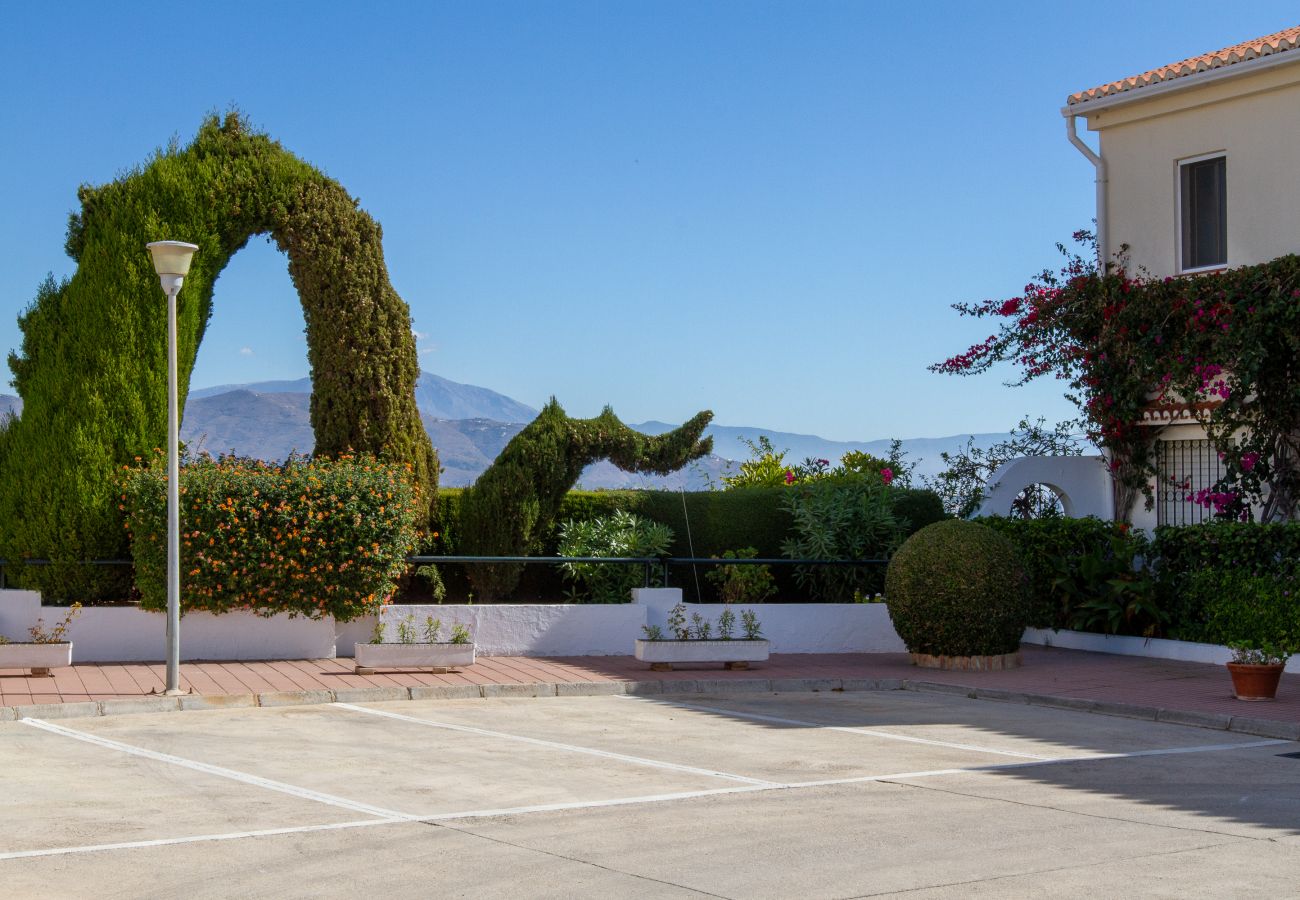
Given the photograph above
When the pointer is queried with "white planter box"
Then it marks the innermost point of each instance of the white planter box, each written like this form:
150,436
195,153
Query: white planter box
412,656
735,654
40,658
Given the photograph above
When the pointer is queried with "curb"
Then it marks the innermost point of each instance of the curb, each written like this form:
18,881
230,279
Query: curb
1252,725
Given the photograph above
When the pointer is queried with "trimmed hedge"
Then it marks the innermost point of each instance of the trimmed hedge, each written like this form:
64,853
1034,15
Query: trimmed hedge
1050,549
958,588
310,537
1181,553
704,524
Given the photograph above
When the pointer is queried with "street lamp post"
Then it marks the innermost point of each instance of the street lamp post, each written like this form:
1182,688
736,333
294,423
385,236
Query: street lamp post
171,260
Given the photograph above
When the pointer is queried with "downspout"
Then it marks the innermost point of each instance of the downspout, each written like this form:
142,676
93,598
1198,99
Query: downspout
1103,252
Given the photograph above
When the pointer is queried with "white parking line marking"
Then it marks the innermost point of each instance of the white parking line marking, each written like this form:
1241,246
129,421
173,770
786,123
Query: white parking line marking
870,732
198,838
554,745
577,805
220,772
996,767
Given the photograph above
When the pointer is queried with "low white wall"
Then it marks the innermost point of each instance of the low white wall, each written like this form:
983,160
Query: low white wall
129,634
1123,645
793,627
561,629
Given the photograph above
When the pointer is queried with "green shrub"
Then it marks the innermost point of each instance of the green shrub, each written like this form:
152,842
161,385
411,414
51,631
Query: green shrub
93,362
958,588
1180,553
1054,551
621,534
1249,609
310,537
840,518
742,584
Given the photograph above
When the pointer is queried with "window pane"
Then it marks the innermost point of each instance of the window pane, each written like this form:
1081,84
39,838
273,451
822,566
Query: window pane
1205,213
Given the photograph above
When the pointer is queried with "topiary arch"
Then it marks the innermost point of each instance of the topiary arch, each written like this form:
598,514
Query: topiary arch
93,367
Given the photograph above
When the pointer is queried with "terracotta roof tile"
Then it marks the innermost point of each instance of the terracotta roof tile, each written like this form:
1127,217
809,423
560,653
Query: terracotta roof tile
1279,42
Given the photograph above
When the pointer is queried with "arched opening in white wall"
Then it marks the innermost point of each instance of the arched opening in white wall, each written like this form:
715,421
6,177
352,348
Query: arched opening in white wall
1039,501
1034,486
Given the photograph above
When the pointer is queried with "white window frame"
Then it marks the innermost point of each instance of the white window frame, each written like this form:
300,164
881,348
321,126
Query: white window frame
1178,209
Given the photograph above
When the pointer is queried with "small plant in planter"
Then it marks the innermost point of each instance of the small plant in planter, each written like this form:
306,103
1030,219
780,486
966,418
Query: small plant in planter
408,653
47,648
695,642
1256,669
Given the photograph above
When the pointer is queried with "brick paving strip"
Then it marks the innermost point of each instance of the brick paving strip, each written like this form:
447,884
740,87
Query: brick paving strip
1136,687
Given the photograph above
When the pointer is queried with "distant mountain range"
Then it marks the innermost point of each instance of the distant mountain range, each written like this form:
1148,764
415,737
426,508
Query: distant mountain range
470,425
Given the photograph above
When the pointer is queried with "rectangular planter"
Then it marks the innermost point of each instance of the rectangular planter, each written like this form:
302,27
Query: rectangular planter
40,658
369,657
735,654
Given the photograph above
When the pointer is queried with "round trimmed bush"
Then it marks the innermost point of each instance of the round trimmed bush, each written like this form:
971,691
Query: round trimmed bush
958,588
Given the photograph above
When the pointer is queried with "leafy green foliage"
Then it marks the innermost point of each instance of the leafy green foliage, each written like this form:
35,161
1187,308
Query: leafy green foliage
1251,610
742,584
622,534
958,588
1067,560
1108,590
511,507
841,518
92,368
311,537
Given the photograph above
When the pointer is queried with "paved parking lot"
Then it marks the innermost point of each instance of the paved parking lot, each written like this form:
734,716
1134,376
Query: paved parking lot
735,795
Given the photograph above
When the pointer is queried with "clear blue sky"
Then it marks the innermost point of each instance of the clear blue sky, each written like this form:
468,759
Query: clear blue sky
759,208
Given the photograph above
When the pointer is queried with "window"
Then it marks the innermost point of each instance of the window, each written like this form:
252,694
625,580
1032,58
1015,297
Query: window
1203,209
1184,468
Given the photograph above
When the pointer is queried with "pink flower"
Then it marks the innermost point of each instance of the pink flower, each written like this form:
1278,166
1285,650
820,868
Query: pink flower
789,477
1248,461
886,475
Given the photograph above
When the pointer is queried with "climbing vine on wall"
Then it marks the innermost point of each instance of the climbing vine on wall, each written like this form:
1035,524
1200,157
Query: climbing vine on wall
1225,343
92,368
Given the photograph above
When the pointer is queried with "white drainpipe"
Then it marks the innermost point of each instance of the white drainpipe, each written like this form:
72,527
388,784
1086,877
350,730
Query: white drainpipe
1103,252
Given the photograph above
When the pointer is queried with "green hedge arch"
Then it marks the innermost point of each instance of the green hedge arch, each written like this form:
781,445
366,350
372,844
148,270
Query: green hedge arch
93,366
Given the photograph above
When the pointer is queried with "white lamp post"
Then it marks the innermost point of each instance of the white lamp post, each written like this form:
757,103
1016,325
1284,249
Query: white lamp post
171,260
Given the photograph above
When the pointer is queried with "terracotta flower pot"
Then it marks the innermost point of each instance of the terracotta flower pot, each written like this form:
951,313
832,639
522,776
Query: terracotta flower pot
1255,682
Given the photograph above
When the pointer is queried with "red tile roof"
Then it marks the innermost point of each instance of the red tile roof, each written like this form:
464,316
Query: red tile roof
1279,42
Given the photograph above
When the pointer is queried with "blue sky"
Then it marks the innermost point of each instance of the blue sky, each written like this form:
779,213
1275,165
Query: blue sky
759,208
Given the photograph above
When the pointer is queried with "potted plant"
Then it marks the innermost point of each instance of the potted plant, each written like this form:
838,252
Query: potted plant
408,653
695,642
44,651
1256,669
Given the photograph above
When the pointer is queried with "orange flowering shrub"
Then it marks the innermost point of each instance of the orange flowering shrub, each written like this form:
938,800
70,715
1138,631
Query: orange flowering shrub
311,537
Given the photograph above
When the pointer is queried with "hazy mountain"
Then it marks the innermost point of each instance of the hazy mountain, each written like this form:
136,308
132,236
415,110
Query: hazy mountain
434,395
470,425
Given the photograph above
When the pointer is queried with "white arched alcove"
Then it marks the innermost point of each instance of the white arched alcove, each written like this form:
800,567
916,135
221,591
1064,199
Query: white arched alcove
1082,483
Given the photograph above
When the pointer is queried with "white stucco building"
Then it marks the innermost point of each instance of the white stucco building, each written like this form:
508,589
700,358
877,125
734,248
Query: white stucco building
1196,169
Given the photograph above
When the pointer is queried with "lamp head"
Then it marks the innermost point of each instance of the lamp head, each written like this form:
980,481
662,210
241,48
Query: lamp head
172,257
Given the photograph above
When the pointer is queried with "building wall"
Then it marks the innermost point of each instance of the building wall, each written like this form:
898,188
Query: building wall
1252,118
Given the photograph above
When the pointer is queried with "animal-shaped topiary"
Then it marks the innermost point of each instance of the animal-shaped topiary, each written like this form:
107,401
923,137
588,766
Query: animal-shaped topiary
958,588
513,504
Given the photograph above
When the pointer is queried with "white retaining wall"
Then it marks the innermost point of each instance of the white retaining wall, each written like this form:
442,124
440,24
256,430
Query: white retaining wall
1123,645
130,634
561,629
792,627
